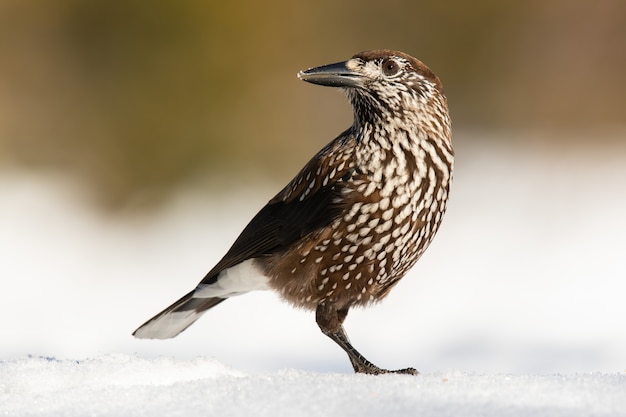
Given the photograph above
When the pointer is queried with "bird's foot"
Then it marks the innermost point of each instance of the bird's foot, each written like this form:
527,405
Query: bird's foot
371,369
405,371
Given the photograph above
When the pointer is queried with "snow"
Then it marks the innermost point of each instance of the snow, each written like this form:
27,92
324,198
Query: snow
122,385
517,307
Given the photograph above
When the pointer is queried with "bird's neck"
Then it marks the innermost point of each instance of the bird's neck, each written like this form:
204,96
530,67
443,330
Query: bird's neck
406,142
408,133
417,121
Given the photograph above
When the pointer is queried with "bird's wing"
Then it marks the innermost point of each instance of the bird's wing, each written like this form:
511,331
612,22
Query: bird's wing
307,203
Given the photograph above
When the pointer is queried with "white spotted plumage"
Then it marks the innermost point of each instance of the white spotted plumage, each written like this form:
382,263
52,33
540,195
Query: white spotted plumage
357,216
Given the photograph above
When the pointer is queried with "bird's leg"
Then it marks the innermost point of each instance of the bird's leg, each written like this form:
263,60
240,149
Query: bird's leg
330,320
355,357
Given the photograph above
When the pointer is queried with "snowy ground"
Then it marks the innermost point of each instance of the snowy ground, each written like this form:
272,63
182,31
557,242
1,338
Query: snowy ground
526,279
120,385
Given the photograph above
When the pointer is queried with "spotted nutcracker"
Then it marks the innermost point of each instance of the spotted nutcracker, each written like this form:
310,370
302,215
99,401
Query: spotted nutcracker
359,214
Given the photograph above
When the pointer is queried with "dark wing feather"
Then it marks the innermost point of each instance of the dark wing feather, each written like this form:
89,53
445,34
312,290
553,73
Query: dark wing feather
289,216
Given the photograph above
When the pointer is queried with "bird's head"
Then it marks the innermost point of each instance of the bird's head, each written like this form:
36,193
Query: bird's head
385,84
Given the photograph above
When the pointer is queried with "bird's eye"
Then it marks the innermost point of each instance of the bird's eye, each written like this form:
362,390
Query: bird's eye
390,67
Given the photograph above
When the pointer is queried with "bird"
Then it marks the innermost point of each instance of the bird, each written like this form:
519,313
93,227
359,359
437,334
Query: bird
356,217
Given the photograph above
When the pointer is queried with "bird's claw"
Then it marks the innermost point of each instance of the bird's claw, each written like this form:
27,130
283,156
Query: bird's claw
375,370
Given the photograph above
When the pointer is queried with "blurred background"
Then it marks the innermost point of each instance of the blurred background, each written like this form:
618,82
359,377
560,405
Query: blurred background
138,138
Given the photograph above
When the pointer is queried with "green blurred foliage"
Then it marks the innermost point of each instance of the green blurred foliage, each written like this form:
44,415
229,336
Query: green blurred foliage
136,97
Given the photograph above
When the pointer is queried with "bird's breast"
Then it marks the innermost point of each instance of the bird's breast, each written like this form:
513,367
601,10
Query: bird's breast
389,216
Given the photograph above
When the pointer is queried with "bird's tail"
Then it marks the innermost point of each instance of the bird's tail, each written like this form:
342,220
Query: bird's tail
176,318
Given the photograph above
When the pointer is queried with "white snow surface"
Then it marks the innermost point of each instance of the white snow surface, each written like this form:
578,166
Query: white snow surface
517,308
121,385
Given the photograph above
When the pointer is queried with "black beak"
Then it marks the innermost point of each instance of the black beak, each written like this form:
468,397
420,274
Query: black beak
332,75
